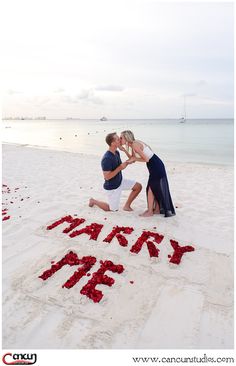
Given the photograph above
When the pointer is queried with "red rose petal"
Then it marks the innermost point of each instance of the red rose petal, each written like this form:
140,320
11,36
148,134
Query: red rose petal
6,218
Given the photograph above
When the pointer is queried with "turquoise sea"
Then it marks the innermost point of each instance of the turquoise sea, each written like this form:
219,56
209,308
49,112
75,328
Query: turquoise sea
209,141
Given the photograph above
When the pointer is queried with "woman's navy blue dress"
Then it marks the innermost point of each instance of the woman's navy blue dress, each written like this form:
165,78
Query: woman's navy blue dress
159,185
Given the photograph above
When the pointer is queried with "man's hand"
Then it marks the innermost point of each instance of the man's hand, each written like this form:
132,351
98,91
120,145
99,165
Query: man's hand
111,174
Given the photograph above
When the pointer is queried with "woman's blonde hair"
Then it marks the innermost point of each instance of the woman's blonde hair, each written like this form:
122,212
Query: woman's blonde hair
128,135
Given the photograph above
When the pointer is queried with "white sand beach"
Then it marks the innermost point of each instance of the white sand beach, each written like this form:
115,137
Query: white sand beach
153,303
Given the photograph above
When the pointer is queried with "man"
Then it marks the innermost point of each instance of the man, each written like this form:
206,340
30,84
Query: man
114,182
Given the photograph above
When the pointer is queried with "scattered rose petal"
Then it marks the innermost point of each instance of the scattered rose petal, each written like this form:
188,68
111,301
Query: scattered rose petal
6,218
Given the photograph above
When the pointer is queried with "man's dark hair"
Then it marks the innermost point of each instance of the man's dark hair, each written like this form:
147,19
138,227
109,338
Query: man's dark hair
110,138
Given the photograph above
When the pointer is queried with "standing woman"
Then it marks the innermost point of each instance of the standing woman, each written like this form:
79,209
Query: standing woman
158,193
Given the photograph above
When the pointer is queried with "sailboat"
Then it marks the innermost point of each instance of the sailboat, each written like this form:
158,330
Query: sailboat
183,118
103,119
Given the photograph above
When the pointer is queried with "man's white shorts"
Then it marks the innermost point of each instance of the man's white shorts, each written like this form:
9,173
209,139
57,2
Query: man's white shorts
113,195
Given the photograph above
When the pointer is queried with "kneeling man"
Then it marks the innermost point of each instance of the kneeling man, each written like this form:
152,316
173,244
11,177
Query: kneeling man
114,182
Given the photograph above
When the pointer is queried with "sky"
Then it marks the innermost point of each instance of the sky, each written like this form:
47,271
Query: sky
119,59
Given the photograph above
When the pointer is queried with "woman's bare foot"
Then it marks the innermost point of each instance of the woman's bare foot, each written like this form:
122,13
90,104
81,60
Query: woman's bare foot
146,214
127,208
156,211
91,202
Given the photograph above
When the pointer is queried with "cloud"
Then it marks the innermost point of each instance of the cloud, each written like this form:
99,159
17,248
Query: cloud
12,92
152,52
214,100
192,94
86,95
59,90
201,83
38,100
109,88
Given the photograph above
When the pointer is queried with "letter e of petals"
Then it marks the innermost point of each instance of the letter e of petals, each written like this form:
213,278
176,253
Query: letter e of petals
100,278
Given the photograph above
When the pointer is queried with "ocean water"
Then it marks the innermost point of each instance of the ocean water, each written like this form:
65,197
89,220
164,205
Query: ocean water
209,141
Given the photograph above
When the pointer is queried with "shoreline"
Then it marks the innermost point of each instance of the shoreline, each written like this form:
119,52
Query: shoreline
39,147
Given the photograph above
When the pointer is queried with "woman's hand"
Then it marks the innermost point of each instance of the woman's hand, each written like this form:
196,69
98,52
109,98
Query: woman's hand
131,160
121,148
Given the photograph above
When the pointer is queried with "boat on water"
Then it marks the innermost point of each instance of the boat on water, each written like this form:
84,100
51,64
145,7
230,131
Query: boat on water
103,119
183,118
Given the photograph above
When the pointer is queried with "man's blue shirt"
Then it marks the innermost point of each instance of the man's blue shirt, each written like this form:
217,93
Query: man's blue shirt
110,162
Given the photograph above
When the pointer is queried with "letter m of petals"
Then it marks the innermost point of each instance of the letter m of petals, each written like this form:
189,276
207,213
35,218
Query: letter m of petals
71,259
74,222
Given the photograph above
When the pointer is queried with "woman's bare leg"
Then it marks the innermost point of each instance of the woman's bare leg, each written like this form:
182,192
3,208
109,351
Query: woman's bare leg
150,202
156,209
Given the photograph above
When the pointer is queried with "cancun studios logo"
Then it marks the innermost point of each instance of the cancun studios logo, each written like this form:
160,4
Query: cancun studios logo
19,358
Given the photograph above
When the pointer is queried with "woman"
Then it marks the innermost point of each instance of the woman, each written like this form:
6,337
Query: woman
158,194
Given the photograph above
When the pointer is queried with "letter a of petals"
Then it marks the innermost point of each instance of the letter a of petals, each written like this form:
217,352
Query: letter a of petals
93,230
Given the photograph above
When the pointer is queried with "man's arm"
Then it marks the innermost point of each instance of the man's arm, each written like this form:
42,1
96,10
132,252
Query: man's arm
111,174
